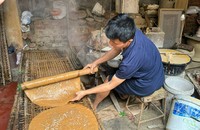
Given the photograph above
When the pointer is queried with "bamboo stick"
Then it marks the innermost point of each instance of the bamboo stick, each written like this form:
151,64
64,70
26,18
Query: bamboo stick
55,78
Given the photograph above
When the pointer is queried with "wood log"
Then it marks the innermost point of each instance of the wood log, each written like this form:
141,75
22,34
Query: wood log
56,78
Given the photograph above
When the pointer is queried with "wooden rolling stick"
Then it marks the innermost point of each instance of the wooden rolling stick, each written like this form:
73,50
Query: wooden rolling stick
56,78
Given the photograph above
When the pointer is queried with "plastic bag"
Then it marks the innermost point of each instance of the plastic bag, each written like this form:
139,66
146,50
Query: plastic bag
26,17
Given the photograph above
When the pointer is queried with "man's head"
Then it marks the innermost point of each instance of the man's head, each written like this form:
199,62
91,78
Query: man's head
120,27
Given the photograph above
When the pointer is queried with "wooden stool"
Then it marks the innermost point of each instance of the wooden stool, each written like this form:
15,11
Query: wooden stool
159,95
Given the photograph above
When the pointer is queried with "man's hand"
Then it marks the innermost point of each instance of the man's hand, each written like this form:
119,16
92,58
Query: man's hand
79,95
1,1
91,66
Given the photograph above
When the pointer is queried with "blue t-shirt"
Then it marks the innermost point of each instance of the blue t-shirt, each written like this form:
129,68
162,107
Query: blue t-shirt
141,66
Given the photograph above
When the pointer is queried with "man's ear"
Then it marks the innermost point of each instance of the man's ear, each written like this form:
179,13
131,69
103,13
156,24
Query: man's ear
130,40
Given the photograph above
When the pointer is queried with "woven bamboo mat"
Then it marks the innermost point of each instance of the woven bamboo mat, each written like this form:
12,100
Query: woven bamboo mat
38,55
44,68
37,64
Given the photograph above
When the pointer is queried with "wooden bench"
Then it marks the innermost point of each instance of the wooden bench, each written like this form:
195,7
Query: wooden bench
159,95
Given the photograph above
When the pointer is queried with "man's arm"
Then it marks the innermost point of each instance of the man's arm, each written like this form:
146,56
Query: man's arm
114,82
1,1
100,88
108,56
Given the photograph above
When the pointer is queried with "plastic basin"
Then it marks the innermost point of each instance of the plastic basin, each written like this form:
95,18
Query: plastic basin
178,86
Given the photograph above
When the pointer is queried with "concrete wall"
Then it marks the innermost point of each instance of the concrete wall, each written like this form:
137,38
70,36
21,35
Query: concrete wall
90,3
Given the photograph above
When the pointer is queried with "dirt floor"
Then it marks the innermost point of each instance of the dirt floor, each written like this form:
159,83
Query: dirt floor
111,119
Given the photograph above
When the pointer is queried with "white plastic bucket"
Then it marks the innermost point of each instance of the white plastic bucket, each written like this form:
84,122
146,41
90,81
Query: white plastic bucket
184,114
178,86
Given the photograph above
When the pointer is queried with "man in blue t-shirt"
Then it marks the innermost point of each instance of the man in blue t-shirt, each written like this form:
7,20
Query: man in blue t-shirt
140,71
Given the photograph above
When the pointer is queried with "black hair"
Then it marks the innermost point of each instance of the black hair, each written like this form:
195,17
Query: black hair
120,27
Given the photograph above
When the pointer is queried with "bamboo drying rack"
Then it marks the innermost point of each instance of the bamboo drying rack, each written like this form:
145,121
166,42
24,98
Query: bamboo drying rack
36,64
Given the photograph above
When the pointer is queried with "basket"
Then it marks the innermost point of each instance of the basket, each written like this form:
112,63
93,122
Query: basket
174,69
174,62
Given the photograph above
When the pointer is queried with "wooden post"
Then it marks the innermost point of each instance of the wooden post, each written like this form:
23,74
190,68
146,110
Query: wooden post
12,24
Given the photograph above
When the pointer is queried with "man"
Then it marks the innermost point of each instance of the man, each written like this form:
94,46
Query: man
140,71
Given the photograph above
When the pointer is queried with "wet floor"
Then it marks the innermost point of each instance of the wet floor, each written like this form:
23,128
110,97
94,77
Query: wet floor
7,94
